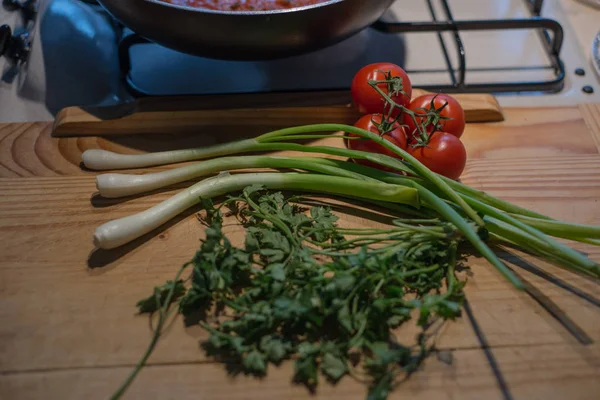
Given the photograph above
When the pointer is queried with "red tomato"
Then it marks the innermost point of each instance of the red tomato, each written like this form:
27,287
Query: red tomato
366,99
453,110
444,154
395,136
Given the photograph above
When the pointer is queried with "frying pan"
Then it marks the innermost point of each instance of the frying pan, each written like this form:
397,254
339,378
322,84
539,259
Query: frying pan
246,35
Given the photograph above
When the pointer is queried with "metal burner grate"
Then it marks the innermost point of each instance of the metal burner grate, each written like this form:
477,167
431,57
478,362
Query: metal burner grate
553,44
550,31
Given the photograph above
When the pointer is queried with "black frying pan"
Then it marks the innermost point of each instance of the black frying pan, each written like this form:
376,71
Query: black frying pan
246,35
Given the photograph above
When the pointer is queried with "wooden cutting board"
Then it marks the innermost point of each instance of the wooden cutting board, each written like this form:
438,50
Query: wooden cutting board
255,113
69,329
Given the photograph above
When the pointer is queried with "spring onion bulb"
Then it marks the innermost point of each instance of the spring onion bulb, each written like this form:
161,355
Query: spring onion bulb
121,231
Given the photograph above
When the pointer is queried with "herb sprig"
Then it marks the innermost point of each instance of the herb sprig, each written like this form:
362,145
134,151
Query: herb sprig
301,288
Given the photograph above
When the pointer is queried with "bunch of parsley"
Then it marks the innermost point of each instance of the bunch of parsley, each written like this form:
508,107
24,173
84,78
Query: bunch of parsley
301,288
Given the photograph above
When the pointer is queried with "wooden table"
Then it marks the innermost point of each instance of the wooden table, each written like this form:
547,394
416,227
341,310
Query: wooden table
68,326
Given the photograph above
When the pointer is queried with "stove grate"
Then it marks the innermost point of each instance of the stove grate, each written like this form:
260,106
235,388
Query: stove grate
550,30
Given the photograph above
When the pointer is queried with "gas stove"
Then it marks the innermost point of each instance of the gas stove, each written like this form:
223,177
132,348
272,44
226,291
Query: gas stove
71,52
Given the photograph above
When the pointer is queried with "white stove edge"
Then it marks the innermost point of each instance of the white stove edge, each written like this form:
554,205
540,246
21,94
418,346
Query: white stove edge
574,54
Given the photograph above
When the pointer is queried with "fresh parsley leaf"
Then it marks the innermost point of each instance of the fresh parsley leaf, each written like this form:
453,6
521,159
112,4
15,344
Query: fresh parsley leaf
334,367
298,288
249,190
275,348
345,319
159,297
277,272
255,362
306,369
324,221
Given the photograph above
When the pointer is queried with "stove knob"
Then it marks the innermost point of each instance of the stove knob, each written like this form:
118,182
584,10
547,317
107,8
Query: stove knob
21,47
5,38
16,48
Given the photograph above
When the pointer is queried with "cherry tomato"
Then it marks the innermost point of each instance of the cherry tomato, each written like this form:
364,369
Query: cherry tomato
444,154
395,136
366,99
455,126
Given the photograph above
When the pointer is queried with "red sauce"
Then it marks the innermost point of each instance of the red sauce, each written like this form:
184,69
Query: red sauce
245,5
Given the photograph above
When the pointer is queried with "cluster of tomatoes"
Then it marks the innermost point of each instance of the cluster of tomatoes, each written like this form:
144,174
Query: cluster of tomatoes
428,127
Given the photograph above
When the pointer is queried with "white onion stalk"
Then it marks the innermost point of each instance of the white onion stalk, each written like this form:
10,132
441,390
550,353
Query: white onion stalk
121,231
101,160
113,185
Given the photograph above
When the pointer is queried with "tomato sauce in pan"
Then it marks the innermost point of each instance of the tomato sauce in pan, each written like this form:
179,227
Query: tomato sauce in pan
245,5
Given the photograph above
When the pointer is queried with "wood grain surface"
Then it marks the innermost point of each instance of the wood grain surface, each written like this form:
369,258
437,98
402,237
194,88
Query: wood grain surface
69,329
255,114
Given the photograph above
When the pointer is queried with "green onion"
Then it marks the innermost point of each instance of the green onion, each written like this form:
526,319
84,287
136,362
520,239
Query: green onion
536,246
404,194
114,185
448,212
102,159
562,229
121,231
